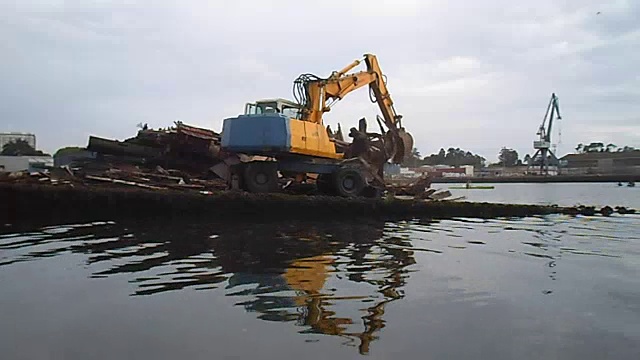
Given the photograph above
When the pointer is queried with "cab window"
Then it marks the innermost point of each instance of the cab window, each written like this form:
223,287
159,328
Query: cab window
250,109
290,112
267,108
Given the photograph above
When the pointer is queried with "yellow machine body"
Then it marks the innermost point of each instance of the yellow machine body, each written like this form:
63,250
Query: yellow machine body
308,138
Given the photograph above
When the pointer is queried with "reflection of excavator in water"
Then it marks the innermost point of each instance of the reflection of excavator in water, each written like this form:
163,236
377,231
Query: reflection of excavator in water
284,272
292,139
322,311
315,308
307,277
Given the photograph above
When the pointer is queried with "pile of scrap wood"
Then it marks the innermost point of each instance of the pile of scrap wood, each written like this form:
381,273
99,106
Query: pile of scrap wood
182,147
420,189
155,179
25,177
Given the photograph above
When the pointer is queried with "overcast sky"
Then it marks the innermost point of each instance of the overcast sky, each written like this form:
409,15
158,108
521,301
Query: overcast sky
470,74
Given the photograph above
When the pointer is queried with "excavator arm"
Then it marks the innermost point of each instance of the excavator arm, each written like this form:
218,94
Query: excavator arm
325,92
382,96
317,95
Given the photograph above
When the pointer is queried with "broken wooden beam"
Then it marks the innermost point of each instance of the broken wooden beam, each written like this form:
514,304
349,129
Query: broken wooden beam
123,182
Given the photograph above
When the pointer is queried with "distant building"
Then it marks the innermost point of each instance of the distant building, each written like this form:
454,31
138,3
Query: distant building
407,172
391,169
602,163
492,171
28,163
445,170
6,138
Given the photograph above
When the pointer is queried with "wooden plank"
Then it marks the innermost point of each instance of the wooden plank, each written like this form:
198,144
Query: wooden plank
441,195
123,182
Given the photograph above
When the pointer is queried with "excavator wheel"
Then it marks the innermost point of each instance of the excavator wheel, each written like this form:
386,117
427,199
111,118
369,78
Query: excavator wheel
261,177
349,182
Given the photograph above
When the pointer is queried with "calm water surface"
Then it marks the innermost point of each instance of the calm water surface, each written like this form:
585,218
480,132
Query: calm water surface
569,194
553,287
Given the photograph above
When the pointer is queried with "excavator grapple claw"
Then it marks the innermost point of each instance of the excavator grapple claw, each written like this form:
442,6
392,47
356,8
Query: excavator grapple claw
407,144
400,145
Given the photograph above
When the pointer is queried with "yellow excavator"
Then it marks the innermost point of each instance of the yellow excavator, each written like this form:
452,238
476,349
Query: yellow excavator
291,137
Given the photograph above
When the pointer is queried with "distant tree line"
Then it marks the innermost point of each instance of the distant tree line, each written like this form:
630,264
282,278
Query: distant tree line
20,147
69,150
451,157
601,147
457,157
509,157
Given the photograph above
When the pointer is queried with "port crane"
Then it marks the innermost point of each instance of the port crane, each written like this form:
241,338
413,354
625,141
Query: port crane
544,156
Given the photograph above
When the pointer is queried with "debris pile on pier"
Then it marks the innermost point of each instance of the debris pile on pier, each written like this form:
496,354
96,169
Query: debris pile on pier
176,158
181,147
107,175
119,174
181,157
420,189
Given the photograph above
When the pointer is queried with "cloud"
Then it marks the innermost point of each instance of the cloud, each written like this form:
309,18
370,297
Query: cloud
385,9
475,75
253,67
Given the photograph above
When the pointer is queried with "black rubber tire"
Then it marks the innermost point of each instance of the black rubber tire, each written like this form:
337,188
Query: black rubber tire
348,182
261,177
324,183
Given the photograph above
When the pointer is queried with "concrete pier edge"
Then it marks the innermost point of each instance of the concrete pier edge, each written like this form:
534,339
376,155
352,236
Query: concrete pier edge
25,202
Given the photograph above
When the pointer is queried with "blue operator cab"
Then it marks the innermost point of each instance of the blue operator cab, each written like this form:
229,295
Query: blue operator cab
265,127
